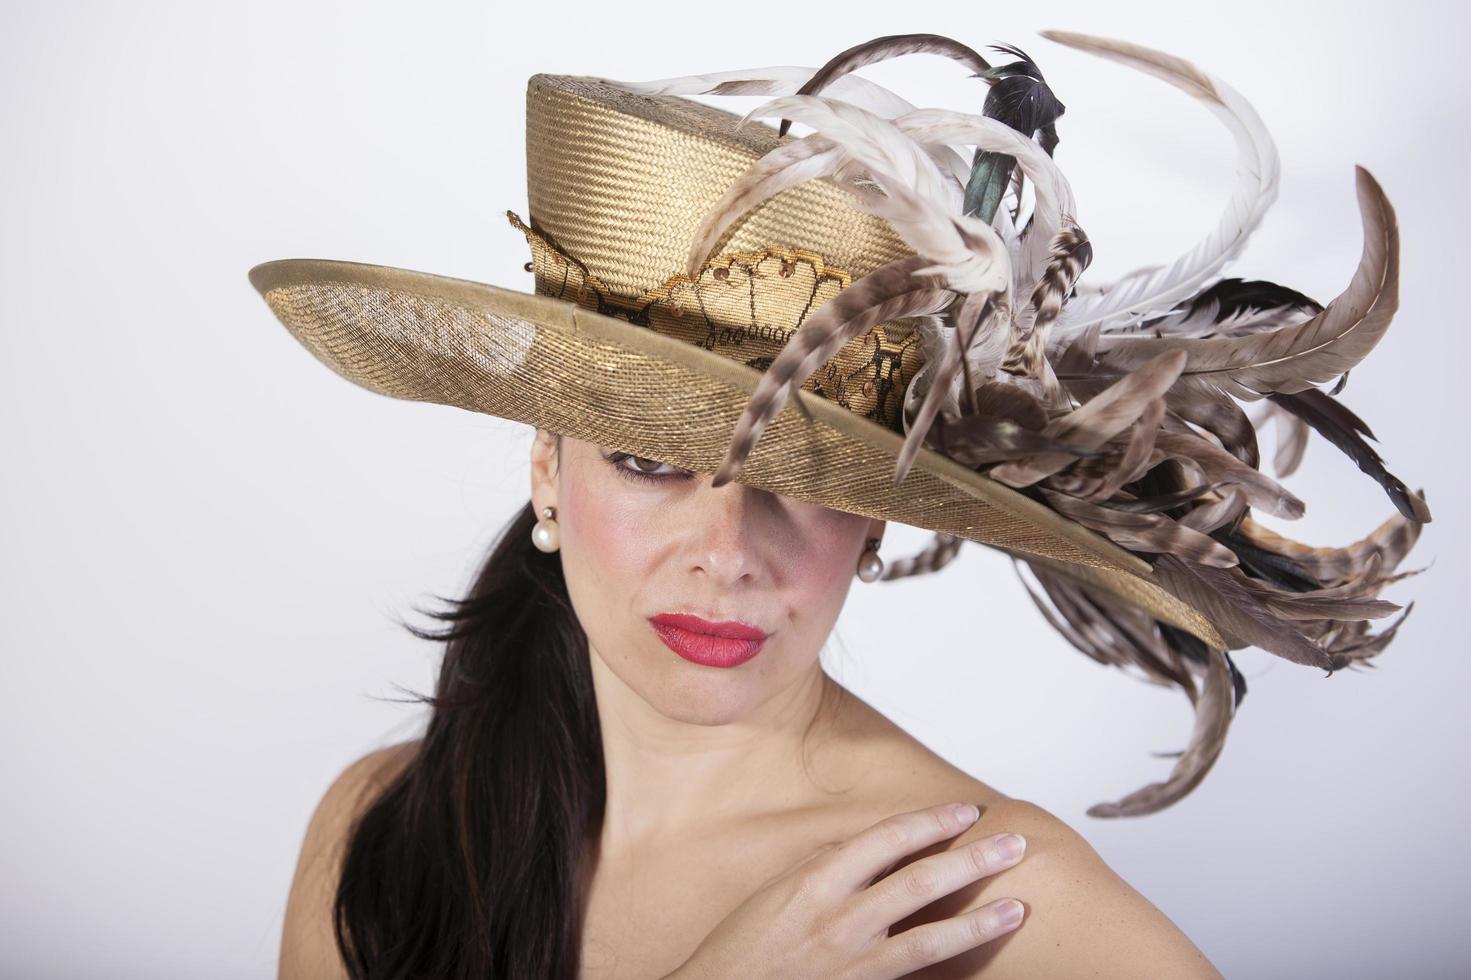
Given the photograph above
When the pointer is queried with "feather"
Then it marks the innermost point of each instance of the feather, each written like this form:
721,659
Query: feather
882,48
1344,429
1110,632
816,155
1224,595
1100,419
1227,510
1228,308
995,398
972,260
1005,423
976,441
1258,172
1370,646
786,166
1136,458
1143,531
1114,631
1202,404
941,550
872,141
1217,464
918,199
976,320
1076,359
1391,541
1292,438
1213,713
1292,358
1021,99
1188,400
917,202
965,250
774,80
1159,502
977,312
890,292
1324,607
1055,204
1191,647
1316,611
1071,253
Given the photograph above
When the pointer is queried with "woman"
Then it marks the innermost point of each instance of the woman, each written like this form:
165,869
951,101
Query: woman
634,765
712,780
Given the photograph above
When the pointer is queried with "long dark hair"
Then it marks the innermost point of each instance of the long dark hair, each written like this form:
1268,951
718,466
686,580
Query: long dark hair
469,862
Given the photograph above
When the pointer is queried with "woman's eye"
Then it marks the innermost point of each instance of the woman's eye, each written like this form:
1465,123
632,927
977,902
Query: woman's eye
643,468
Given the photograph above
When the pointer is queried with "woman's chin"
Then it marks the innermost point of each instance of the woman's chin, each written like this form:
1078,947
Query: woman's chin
710,696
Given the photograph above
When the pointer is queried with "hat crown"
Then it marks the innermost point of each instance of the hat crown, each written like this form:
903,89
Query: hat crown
622,181
618,184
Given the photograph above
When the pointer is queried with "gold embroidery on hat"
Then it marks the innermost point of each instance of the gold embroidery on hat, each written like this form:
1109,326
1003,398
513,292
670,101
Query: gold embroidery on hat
746,306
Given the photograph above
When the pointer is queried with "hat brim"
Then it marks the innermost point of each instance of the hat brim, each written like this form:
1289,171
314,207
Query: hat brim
549,363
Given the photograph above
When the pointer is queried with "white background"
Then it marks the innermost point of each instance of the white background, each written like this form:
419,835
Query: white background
207,536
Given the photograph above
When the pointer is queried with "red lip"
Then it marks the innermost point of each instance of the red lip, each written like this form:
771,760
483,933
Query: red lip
724,644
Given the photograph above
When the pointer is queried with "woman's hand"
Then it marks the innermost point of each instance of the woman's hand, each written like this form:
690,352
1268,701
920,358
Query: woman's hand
828,917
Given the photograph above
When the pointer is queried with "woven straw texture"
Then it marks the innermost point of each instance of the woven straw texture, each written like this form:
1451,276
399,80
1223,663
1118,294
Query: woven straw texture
622,181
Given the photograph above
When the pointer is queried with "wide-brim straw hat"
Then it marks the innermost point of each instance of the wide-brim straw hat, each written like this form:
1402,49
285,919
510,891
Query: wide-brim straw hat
638,338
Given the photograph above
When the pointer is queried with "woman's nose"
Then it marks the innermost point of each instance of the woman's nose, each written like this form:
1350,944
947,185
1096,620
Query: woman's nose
722,532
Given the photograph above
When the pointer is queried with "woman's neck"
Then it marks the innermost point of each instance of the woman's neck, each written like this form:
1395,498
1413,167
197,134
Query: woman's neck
685,776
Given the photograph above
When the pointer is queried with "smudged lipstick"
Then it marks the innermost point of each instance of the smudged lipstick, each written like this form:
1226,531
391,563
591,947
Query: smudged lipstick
723,644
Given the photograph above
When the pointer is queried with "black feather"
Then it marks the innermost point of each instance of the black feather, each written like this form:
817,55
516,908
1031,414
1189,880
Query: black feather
1345,430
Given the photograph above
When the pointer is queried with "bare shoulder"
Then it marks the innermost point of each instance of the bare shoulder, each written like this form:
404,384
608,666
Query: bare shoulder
1081,917
308,943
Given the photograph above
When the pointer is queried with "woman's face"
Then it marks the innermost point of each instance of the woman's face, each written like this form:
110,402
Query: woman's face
640,538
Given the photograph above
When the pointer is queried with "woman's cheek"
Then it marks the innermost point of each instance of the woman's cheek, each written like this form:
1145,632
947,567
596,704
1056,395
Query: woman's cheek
610,533
826,552
603,561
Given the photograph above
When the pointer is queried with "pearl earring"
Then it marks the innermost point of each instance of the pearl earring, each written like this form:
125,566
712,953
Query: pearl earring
870,565
546,535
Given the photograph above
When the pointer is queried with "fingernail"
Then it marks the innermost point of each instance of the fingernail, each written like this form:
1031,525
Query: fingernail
965,812
1011,845
1010,912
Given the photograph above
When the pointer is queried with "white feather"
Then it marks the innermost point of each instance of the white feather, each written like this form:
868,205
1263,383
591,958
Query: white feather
872,140
1055,203
1258,172
790,164
919,201
814,156
775,80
